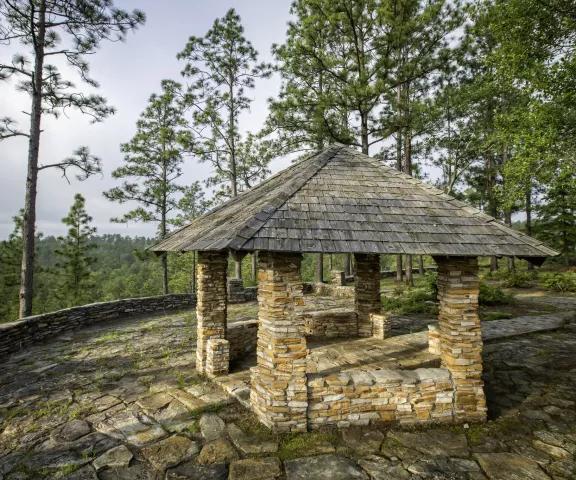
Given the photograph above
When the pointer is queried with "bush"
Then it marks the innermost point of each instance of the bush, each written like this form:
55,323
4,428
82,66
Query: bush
431,278
559,282
413,301
493,295
518,280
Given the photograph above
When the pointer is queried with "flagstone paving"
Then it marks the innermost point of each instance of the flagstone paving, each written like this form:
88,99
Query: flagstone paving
122,400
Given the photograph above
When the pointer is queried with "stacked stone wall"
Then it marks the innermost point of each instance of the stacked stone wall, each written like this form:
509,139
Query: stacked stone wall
367,291
243,338
235,289
15,336
217,357
337,322
363,397
381,325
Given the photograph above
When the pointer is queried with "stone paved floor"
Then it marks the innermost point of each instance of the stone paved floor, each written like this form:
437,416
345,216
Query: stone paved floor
123,401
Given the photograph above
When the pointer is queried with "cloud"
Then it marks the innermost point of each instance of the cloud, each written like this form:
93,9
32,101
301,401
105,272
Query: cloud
128,73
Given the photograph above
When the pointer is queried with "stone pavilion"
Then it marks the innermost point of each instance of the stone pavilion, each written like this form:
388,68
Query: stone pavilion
341,201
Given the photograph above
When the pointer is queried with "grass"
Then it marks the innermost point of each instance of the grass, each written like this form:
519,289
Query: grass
107,337
490,316
410,302
300,444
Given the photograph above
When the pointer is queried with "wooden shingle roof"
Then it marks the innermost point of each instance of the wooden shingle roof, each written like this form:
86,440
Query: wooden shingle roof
342,201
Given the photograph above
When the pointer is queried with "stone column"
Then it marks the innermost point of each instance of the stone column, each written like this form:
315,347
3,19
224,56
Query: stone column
460,334
217,357
279,393
381,325
211,306
367,291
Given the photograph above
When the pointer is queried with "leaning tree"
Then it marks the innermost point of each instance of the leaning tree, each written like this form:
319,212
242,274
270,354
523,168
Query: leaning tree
68,30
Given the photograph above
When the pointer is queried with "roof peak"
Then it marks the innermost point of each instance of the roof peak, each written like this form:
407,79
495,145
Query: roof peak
340,200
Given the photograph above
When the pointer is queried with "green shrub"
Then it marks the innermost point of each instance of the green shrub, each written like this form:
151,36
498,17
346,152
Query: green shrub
431,278
499,274
519,280
559,282
411,302
493,295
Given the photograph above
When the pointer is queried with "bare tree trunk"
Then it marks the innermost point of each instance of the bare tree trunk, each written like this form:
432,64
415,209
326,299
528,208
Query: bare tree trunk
508,221
193,279
29,218
254,266
529,219
420,265
165,274
409,276
330,262
566,247
493,264
320,268
399,275
347,265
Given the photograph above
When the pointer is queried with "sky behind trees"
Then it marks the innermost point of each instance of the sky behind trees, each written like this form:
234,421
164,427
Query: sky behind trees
128,74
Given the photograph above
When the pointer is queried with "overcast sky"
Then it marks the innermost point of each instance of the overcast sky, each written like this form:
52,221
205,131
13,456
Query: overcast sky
128,73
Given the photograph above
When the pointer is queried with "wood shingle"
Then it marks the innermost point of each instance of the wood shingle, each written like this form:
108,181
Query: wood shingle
341,201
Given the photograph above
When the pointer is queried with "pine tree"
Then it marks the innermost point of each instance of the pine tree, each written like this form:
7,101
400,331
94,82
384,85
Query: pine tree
191,206
10,270
75,278
68,30
221,66
556,223
153,164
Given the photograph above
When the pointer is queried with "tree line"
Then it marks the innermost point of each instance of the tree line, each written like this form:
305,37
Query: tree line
481,91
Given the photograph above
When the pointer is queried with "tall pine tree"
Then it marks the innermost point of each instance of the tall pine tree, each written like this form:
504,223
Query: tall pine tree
73,267
54,29
153,164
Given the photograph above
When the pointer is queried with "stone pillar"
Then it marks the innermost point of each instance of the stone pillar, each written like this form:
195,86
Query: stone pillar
338,278
434,339
235,290
381,325
217,357
211,306
460,334
367,290
279,393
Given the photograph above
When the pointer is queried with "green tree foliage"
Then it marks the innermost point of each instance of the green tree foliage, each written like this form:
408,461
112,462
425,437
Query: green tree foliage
153,164
74,254
10,265
556,224
222,66
64,31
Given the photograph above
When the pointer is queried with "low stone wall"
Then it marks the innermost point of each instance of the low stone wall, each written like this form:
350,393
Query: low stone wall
337,322
359,398
250,293
328,290
15,336
243,337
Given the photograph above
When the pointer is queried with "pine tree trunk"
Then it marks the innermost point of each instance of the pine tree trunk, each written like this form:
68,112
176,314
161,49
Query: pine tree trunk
409,276
165,274
566,249
29,217
351,261
493,264
193,276
420,265
529,219
254,266
508,221
320,268
330,262
399,275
